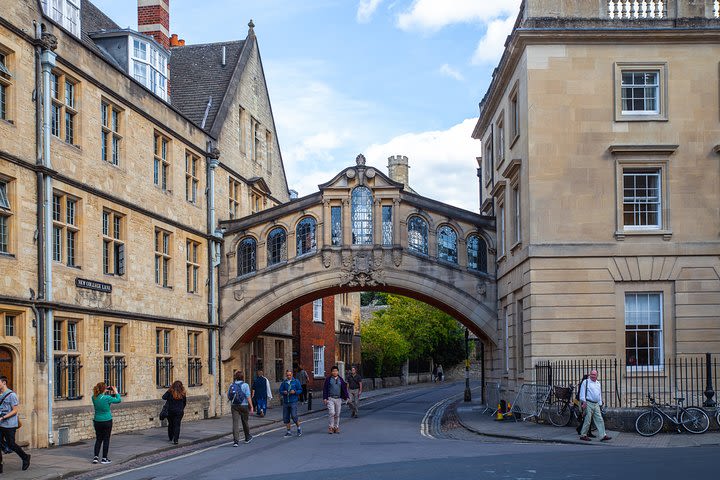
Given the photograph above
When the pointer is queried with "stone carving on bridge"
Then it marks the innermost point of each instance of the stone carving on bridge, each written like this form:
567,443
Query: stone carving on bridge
482,289
326,258
239,294
397,256
360,160
362,269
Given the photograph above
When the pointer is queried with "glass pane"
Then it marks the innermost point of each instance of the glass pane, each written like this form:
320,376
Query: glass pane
336,225
361,211
418,235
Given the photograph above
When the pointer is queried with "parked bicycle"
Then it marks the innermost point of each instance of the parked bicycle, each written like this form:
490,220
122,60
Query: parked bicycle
693,419
563,408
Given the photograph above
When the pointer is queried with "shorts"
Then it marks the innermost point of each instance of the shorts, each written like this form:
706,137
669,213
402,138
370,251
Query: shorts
290,412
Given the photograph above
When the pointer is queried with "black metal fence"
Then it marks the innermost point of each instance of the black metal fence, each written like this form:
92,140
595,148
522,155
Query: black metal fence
629,385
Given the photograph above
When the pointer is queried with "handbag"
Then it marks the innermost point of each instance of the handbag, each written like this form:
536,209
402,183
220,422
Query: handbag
165,412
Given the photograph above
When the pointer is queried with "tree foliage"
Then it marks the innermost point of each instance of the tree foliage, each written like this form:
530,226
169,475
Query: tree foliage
427,333
383,347
369,298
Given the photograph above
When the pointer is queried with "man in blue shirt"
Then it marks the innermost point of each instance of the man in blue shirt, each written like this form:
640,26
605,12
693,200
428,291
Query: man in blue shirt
290,390
239,396
260,393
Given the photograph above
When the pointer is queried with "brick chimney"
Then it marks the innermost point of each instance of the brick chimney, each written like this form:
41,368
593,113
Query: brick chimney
154,20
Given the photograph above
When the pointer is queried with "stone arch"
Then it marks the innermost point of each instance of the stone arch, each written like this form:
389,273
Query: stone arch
458,297
262,236
236,241
489,240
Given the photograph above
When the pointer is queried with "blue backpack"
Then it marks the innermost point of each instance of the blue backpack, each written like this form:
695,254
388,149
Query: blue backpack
235,394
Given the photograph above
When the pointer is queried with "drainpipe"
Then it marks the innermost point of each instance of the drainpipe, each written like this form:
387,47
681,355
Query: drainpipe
39,226
48,43
212,157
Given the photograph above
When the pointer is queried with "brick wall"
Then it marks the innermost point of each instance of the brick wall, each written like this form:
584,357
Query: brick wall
307,334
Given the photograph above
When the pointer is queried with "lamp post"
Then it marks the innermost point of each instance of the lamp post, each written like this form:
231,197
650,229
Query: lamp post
468,395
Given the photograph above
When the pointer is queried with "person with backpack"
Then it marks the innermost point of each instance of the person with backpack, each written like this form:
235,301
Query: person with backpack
176,398
261,393
103,397
238,394
289,393
9,422
335,392
591,398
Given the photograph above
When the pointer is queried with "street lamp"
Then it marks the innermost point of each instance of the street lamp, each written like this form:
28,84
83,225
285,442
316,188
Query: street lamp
468,395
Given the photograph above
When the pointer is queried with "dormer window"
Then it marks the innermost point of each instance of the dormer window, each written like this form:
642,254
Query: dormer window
65,12
148,65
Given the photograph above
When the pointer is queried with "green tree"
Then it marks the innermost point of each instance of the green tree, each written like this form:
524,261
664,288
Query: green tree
382,346
378,298
429,331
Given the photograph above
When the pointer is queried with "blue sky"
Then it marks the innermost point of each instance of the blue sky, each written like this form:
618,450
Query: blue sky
379,77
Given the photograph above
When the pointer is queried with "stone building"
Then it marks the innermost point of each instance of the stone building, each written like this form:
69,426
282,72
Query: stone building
600,135
119,154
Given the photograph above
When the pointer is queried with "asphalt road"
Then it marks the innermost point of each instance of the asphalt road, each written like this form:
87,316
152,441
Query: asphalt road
399,438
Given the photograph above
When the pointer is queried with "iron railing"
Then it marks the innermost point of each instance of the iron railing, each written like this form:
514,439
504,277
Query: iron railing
627,386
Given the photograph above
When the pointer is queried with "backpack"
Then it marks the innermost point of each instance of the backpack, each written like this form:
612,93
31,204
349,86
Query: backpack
236,395
577,392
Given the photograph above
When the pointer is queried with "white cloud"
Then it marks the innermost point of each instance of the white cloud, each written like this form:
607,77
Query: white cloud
491,46
442,163
451,72
432,15
366,9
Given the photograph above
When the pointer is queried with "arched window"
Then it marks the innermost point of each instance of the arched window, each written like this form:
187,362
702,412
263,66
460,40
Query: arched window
418,235
246,256
276,246
447,244
305,235
477,253
362,204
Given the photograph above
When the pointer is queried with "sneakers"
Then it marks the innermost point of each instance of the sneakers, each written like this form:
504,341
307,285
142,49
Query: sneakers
96,460
337,429
299,432
175,442
585,438
287,433
106,461
235,444
605,438
249,439
331,430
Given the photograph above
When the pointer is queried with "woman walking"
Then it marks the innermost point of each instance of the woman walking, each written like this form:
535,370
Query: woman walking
103,397
176,396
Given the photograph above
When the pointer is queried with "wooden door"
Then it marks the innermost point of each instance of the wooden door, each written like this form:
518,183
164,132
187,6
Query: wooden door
6,365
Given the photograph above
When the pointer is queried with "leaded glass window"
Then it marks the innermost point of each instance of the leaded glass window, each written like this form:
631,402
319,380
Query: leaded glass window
336,225
387,224
418,235
362,203
447,244
305,235
246,256
477,253
276,246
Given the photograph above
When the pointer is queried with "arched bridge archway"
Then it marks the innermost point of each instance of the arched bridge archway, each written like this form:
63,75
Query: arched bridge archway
361,231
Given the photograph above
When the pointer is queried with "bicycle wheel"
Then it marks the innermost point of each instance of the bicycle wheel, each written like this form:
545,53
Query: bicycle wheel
559,413
694,419
717,417
649,423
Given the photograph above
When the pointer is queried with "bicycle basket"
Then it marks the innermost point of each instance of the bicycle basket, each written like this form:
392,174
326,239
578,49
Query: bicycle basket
562,393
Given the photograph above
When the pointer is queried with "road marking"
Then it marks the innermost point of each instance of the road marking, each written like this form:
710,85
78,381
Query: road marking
196,452
430,414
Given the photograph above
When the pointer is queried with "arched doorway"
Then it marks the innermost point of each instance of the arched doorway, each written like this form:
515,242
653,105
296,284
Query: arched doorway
6,365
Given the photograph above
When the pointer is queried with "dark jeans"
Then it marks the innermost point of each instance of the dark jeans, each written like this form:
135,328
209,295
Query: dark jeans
8,435
303,394
102,437
240,414
174,420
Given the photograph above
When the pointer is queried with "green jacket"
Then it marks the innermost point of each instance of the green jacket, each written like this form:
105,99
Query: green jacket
102,406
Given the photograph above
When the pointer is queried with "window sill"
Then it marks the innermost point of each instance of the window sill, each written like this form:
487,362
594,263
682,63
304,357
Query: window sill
665,234
9,122
516,246
650,117
501,258
7,255
514,140
168,287
68,399
166,191
112,275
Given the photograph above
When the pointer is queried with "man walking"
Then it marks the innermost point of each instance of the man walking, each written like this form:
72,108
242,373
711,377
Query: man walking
334,392
303,378
354,382
239,396
9,422
260,393
289,393
591,398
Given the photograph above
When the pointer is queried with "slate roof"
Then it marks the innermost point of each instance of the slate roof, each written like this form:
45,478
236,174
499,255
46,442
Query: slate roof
197,73
93,20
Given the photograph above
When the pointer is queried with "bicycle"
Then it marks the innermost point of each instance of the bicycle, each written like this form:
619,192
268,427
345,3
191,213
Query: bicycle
693,419
564,407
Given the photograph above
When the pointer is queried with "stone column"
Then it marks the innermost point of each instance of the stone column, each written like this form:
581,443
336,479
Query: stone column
396,221
346,222
326,226
377,222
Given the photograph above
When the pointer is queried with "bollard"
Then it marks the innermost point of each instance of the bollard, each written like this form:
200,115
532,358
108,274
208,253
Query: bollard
309,395
709,391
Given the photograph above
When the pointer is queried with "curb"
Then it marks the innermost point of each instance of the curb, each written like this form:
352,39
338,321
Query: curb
521,437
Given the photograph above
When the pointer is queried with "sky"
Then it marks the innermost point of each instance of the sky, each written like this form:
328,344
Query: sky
377,77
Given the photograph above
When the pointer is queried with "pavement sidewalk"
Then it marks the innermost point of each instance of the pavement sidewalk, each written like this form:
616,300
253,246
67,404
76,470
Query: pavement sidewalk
471,416
65,461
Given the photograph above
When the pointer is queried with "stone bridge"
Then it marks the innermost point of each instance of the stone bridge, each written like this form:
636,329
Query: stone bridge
362,231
